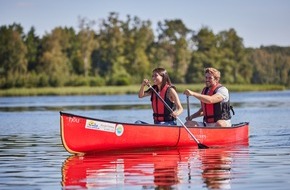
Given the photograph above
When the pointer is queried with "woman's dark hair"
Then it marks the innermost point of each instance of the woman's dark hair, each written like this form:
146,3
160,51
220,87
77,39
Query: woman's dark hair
163,73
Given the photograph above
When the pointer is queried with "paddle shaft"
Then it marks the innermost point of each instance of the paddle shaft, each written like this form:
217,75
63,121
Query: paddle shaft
188,111
169,108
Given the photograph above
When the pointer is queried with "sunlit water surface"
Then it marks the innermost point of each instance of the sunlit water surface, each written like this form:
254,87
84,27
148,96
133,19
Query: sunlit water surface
32,155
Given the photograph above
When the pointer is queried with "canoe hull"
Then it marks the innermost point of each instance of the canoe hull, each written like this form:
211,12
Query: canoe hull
81,135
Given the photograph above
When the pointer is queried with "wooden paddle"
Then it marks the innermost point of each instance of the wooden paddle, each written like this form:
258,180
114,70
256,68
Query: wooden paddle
201,146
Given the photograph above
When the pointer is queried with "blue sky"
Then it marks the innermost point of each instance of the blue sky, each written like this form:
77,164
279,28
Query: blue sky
258,22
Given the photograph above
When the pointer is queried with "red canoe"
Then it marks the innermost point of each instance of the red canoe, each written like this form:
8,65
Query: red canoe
81,135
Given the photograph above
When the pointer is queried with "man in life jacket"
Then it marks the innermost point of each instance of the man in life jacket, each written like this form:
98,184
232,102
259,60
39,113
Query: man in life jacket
163,86
215,102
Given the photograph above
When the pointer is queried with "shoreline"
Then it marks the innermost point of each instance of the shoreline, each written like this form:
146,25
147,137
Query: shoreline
131,89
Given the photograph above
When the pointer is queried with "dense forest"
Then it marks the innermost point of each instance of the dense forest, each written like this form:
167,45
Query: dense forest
112,51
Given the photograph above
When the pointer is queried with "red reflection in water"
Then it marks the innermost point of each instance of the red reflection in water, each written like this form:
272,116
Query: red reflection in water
151,169
216,168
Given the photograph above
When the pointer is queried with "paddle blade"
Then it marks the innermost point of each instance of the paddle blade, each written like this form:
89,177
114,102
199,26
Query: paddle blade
202,146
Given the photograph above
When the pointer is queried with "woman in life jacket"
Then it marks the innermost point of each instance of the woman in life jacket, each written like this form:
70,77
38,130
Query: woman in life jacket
162,84
215,102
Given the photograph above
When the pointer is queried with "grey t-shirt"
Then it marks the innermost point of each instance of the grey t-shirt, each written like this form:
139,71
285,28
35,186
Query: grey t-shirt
223,91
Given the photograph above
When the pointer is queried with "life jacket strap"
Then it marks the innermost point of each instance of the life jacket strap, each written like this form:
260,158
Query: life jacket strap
231,107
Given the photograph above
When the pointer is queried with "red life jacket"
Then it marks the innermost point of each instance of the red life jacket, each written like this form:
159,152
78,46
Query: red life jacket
214,112
160,112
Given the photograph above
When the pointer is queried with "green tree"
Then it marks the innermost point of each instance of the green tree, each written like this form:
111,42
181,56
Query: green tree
233,59
32,43
87,44
110,55
54,62
270,66
205,55
13,62
138,38
173,39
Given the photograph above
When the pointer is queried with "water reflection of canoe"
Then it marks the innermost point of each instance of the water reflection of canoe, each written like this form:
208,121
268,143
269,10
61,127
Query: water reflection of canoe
159,169
107,170
89,135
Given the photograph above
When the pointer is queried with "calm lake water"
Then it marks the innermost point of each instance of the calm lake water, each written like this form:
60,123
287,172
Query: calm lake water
32,155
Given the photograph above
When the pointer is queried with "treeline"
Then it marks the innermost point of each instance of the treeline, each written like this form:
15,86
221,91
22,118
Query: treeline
123,52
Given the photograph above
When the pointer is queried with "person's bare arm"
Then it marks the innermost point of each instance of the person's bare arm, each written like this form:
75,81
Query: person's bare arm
198,113
205,98
176,100
142,92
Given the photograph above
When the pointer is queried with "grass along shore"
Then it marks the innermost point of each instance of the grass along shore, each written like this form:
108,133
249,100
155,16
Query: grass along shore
132,89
